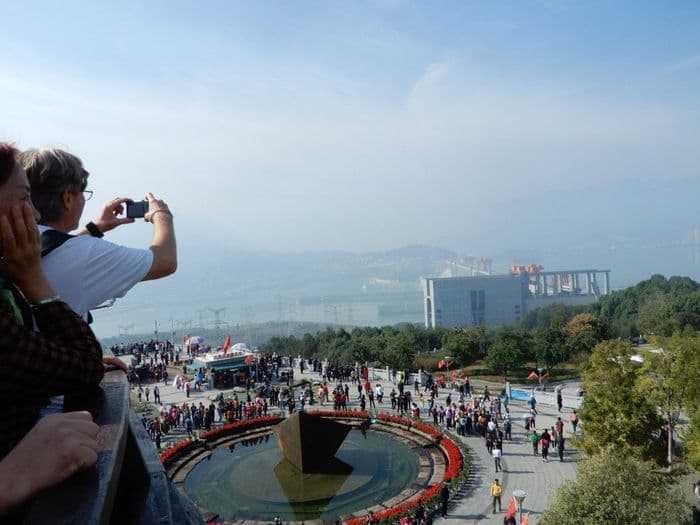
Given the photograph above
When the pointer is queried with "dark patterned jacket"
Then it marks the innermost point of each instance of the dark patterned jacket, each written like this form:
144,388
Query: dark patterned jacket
64,357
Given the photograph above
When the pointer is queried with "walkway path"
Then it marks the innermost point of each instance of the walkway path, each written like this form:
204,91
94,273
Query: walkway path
521,469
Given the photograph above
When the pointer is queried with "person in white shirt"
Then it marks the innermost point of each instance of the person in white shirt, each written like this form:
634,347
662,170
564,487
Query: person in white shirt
85,269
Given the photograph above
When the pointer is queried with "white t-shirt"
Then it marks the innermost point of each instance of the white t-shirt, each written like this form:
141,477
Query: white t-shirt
86,271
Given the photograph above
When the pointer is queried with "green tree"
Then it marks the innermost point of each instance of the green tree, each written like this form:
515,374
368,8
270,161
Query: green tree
654,314
466,345
693,442
553,316
615,414
400,351
507,353
549,347
309,345
583,332
669,379
618,489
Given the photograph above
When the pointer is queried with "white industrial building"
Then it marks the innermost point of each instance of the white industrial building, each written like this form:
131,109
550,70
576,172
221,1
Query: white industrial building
496,300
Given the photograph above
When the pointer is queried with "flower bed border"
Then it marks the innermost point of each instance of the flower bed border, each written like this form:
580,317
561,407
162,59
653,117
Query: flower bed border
455,474
456,471
178,450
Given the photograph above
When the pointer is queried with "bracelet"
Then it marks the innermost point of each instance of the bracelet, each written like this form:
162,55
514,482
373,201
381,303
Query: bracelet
46,300
162,210
92,228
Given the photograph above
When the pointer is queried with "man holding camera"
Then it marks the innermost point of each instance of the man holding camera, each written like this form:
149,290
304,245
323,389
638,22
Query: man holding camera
85,269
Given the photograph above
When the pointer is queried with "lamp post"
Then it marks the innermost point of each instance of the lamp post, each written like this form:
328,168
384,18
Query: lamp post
520,496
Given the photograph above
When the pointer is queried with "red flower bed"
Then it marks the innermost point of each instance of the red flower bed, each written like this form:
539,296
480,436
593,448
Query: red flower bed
455,465
173,451
240,425
428,429
455,460
401,509
396,419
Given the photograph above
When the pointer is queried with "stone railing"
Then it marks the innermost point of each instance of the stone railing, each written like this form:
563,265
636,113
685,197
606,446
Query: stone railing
127,485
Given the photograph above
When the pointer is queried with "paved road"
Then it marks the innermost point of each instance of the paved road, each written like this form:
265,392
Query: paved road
522,470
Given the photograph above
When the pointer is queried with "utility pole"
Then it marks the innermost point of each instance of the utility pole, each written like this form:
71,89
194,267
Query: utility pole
217,319
201,318
124,329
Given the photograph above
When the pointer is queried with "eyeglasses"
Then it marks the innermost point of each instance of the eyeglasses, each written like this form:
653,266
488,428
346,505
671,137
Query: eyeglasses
87,194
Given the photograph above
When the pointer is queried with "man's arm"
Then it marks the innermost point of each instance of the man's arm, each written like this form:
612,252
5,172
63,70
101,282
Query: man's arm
163,243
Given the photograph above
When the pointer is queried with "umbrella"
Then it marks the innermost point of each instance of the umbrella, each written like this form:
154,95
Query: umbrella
532,375
240,347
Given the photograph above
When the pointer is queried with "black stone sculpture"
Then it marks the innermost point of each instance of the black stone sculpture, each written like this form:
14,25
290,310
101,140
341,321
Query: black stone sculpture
310,441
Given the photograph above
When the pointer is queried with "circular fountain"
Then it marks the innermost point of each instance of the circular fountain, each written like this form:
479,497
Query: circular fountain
247,475
256,482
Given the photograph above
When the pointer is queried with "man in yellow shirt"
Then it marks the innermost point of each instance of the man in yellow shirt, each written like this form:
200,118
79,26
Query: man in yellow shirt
496,491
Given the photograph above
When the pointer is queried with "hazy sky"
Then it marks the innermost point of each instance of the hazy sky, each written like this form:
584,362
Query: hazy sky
355,125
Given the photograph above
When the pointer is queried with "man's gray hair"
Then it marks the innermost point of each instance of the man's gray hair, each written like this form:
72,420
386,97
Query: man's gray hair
50,172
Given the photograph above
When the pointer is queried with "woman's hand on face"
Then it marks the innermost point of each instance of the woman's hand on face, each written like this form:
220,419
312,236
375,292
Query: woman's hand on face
20,245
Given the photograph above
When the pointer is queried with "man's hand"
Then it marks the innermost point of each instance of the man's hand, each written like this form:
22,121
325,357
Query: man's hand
155,206
57,446
111,215
112,361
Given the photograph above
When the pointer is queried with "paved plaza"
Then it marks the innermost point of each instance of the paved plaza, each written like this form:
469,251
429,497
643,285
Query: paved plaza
521,469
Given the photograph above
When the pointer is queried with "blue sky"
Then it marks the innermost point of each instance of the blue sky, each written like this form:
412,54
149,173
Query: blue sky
358,125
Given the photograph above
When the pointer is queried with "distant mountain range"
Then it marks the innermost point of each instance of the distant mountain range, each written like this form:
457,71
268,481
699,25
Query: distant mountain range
342,288
635,229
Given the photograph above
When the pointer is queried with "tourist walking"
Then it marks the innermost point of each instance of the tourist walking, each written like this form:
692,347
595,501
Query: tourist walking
560,447
496,491
497,453
573,418
444,498
534,439
533,403
560,400
545,441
